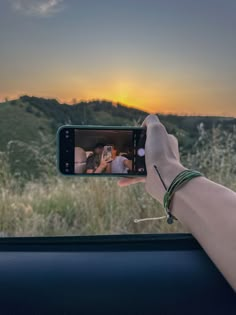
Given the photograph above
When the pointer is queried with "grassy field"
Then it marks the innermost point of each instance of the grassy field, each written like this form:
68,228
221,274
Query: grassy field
54,205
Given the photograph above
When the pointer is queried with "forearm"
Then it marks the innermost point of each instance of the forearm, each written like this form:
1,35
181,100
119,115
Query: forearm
98,170
208,210
128,164
108,169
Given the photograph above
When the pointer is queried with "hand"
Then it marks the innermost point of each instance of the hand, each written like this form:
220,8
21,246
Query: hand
105,162
103,165
161,149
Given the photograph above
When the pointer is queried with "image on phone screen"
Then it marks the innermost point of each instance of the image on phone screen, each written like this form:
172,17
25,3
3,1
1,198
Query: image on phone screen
91,151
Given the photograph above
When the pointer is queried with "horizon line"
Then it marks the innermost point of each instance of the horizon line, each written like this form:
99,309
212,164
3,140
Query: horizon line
114,103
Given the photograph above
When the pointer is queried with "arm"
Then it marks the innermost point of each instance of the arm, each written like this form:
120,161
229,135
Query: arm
91,166
128,164
99,169
104,166
209,212
207,209
89,171
108,168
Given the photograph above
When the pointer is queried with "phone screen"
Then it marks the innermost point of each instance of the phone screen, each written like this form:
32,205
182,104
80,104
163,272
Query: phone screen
101,151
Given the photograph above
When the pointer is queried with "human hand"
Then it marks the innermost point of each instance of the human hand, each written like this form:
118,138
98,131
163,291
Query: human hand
103,164
161,149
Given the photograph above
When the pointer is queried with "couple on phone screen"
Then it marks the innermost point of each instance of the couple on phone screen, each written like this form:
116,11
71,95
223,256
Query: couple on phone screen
97,162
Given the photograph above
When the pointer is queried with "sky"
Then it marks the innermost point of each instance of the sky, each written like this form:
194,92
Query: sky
163,56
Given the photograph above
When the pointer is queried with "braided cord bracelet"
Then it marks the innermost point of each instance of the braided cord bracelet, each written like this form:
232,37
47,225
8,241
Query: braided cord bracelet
180,180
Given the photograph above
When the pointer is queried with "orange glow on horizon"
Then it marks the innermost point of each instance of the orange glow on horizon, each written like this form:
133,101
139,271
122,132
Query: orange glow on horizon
164,103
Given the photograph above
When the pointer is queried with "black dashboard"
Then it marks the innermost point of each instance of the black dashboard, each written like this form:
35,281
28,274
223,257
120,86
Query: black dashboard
133,274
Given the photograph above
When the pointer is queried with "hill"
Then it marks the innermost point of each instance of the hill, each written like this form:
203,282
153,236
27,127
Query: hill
24,119
28,127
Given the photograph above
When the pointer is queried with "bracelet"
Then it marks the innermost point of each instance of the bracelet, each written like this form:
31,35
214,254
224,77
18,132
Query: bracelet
180,180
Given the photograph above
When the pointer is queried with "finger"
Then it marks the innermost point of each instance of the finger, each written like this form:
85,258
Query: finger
108,160
175,144
150,119
173,139
130,181
153,125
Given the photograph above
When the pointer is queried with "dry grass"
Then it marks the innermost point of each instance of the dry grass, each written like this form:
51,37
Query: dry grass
55,205
80,206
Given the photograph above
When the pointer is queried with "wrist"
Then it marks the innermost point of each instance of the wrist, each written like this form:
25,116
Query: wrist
167,172
170,170
102,167
98,169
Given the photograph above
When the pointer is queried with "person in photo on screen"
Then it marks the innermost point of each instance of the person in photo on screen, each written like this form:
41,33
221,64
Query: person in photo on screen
120,164
94,160
96,163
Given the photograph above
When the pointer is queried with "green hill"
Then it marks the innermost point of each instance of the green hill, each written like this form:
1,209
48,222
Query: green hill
17,122
24,119
28,127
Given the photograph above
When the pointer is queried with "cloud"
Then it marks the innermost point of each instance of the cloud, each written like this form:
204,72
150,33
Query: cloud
41,8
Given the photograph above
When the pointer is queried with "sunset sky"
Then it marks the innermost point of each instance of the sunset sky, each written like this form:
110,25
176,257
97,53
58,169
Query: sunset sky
175,56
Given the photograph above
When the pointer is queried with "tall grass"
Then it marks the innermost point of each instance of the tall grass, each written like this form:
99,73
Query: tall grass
214,154
80,206
54,205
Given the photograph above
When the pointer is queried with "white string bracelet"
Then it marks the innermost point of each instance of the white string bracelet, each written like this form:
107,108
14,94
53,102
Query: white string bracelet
150,219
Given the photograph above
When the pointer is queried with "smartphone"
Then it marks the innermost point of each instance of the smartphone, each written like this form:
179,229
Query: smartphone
107,153
81,151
